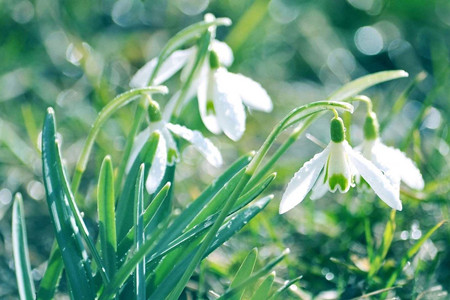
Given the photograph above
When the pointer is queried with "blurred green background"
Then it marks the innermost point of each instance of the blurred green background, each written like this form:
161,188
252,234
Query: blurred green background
77,55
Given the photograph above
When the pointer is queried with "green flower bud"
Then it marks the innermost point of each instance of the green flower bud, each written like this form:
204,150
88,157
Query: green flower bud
337,130
214,61
371,127
154,113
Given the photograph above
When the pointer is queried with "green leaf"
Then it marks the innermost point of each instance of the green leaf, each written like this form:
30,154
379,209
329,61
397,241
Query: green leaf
354,87
409,254
255,276
262,292
285,287
245,270
168,262
189,213
25,282
67,233
226,231
139,236
124,205
388,235
107,216
149,214
52,274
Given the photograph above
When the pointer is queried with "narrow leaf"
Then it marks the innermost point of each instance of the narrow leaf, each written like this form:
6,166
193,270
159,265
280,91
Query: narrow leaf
20,249
388,235
74,255
52,274
354,87
139,233
107,216
226,231
245,270
285,287
262,292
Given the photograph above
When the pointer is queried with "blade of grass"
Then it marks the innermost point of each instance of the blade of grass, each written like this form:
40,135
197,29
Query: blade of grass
286,286
52,274
226,231
354,87
74,255
255,276
107,216
139,236
262,292
149,213
245,270
386,241
25,281
409,254
124,205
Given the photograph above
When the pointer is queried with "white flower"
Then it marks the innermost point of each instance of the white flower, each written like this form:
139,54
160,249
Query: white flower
391,161
220,94
337,166
167,151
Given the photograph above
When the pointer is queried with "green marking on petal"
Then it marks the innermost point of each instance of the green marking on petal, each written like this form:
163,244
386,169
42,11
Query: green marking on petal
210,110
214,61
338,179
172,155
371,127
337,130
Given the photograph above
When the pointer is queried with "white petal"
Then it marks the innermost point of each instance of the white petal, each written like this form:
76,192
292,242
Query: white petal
228,106
202,144
171,145
158,167
302,182
168,109
320,188
375,178
252,93
139,142
142,76
209,119
224,52
400,164
169,67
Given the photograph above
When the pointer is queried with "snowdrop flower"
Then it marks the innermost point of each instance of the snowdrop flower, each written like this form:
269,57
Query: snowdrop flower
391,161
337,166
221,97
167,151
221,94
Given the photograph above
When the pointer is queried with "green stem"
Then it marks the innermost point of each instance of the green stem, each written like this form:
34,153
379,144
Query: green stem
140,109
104,114
296,133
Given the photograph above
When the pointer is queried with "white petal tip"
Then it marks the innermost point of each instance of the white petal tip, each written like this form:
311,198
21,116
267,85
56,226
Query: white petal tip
286,251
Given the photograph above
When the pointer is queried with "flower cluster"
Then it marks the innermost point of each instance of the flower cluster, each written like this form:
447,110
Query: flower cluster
221,97
339,166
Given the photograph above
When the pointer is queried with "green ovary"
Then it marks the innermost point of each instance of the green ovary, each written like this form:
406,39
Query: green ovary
338,180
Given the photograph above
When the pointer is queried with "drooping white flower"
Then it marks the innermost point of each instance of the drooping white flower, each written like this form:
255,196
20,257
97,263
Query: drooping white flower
167,151
391,161
221,94
334,169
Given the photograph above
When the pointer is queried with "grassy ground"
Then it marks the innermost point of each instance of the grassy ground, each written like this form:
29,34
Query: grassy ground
76,56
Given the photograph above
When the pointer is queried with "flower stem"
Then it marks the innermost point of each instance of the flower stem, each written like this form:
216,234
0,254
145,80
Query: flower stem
104,115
